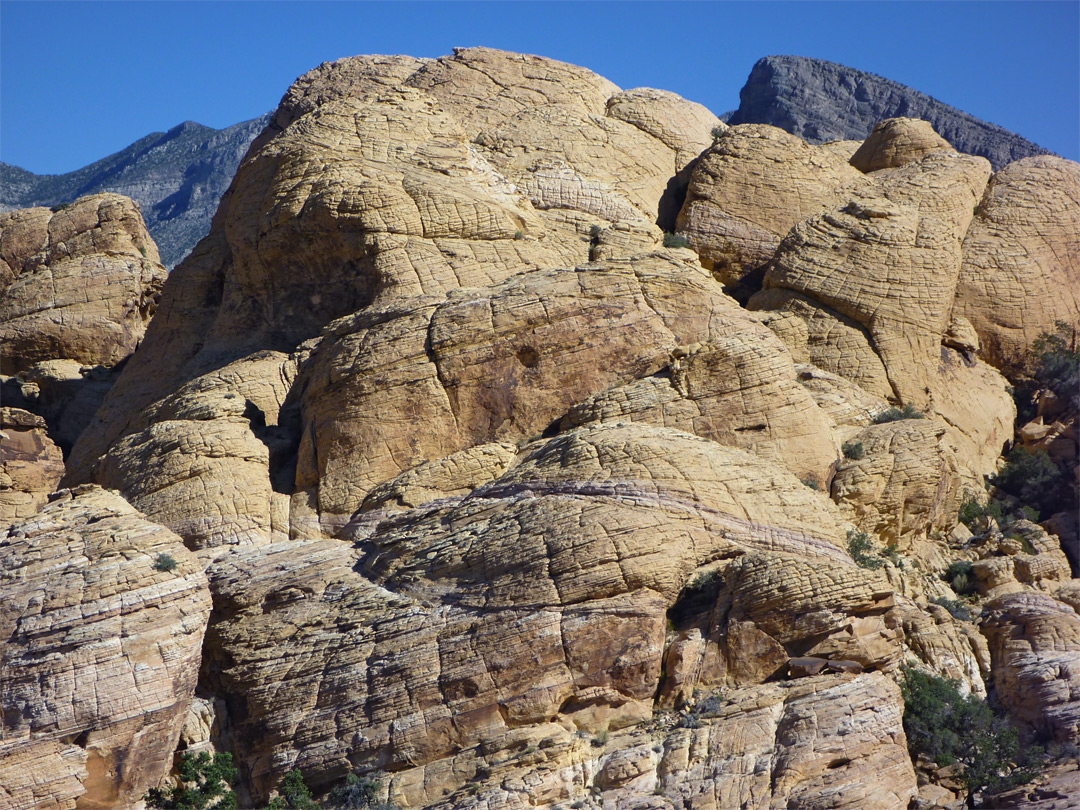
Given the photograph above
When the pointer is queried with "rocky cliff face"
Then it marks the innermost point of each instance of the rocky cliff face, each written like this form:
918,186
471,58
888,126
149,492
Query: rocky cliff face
823,101
177,177
499,496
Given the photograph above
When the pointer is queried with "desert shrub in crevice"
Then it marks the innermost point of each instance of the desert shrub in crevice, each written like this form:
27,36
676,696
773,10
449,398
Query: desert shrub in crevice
205,785
1034,479
898,414
950,728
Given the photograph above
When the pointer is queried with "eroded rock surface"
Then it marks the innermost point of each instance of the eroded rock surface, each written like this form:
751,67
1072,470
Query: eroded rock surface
32,465
102,615
79,284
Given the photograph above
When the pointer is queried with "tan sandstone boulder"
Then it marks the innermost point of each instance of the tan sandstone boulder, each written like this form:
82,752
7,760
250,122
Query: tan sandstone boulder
751,188
1021,260
102,615
905,481
79,284
30,464
1035,644
896,142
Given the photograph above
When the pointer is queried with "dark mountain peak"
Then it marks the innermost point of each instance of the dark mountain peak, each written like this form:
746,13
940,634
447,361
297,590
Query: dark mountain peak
822,101
177,177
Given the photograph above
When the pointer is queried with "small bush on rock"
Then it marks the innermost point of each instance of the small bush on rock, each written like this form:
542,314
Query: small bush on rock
897,414
956,608
294,794
960,576
1032,478
860,548
164,562
853,450
676,240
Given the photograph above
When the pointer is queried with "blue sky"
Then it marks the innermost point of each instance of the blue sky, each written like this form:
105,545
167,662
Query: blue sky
81,80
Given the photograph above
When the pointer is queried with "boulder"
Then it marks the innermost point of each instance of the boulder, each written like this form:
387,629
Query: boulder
750,188
32,465
1021,260
103,615
79,284
1035,644
897,142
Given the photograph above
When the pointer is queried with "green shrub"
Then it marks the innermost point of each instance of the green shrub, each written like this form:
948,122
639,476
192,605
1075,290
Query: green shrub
1058,362
362,793
293,794
519,234
811,483
600,739
56,209
676,240
961,576
955,607
209,778
971,511
1032,478
717,132
897,414
950,728
165,562
853,450
860,548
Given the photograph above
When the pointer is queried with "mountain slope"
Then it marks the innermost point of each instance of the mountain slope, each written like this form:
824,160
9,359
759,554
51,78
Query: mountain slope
177,177
823,101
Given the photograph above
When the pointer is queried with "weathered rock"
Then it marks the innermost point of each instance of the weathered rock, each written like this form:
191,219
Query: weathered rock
30,465
102,615
446,173
906,482
501,363
820,101
739,391
750,189
1035,644
541,596
770,608
896,142
203,466
780,745
1021,262
905,309
79,284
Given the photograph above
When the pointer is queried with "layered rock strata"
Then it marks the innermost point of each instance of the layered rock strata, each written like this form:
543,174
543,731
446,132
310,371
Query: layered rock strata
102,615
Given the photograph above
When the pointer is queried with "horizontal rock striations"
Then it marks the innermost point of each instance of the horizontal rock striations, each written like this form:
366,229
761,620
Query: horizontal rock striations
823,101
102,615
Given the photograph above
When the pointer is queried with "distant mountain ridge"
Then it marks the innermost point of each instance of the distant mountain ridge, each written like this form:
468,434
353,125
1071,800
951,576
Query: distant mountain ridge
822,101
177,177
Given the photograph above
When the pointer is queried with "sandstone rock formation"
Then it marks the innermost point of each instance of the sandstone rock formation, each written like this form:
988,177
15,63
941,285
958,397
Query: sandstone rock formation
750,189
1021,259
896,142
1035,642
499,496
823,101
32,465
102,615
906,481
79,284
